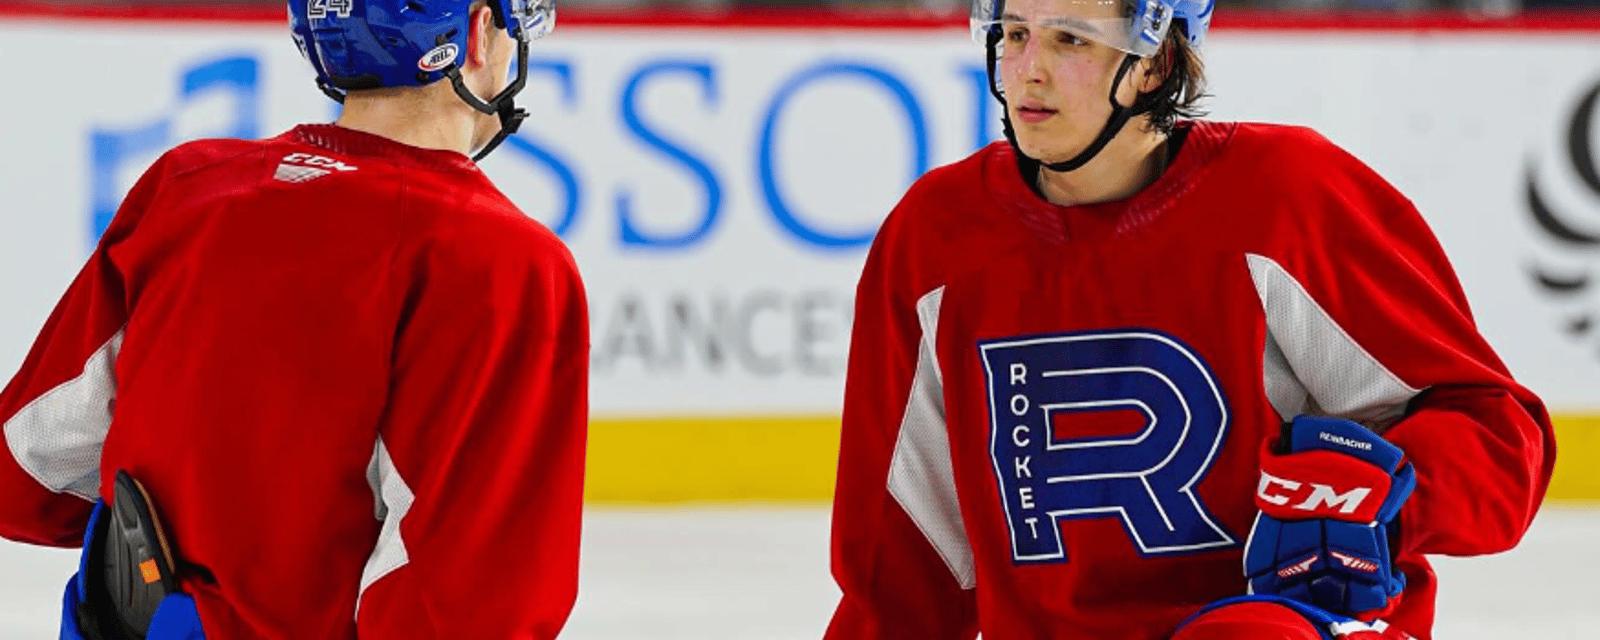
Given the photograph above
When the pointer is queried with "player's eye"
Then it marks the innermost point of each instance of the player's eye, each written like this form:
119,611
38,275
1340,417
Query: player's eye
1016,34
1070,40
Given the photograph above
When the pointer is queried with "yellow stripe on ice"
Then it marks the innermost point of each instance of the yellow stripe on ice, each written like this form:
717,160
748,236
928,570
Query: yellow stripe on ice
782,459
791,459
1577,474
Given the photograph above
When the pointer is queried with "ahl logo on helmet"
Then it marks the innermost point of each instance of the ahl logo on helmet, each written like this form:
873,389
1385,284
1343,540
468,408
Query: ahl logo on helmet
439,58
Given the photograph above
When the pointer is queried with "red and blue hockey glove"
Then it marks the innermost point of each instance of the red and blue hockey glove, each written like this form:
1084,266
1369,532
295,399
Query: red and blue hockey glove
1329,495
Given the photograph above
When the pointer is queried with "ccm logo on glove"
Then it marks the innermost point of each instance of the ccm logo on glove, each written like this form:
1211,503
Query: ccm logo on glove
1278,491
1321,484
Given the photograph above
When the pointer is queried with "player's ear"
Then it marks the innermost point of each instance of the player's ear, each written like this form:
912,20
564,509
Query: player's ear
479,34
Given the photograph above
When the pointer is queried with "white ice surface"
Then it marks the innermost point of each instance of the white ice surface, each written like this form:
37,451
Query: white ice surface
742,574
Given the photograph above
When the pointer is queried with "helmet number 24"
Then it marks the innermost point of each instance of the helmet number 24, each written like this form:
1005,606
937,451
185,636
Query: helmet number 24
321,8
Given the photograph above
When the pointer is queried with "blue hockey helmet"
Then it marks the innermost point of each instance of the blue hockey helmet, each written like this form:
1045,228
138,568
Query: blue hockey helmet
368,44
1195,18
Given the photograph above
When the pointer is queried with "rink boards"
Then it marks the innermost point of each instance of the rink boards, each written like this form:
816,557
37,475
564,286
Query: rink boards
719,178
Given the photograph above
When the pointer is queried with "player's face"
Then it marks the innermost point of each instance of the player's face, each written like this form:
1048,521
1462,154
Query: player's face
1057,81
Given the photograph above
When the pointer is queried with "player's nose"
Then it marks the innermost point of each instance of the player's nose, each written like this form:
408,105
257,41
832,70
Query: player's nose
1031,63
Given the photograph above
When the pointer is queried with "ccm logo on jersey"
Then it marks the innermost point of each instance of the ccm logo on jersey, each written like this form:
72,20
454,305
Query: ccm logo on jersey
305,167
317,161
1309,496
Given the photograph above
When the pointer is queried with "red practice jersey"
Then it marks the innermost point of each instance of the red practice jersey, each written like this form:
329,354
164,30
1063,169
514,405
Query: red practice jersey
351,374
1053,415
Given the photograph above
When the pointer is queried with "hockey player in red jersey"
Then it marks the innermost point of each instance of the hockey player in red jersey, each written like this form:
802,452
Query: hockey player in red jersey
1102,367
328,385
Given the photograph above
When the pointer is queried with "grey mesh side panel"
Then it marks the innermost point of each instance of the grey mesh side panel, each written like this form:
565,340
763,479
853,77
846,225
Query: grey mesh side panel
1284,391
57,438
1342,378
394,499
375,471
921,477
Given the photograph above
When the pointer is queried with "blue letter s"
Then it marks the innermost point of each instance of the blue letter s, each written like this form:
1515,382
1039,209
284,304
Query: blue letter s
630,117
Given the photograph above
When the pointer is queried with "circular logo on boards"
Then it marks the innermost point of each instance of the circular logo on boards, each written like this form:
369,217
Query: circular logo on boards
1567,269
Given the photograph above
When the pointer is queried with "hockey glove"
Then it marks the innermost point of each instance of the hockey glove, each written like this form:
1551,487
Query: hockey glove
1329,495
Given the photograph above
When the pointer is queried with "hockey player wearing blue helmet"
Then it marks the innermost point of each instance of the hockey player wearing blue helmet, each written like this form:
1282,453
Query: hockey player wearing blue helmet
1132,375
330,384
1109,64
370,55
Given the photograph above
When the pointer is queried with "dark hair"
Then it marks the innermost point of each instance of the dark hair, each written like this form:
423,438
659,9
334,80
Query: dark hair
1183,83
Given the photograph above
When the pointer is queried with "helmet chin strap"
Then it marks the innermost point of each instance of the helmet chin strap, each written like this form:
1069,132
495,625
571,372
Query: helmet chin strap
503,105
511,118
1119,114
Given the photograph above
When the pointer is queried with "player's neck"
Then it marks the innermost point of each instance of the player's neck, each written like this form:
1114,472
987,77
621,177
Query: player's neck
412,117
1128,164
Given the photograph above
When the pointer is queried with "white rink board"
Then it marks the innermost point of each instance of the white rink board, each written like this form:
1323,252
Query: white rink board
747,310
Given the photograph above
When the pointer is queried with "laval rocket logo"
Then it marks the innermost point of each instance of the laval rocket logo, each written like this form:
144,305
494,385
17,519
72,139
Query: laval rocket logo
1567,267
